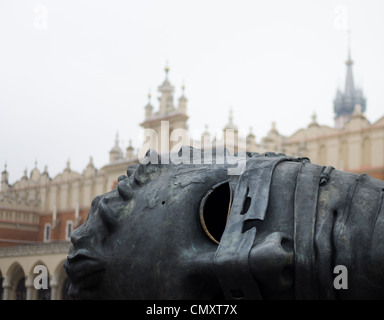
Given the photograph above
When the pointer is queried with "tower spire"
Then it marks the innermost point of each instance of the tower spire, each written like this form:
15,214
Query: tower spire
230,124
4,179
116,152
166,98
344,103
349,83
349,45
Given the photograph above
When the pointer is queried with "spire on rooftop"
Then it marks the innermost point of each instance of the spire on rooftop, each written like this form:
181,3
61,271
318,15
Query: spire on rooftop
116,153
344,102
230,124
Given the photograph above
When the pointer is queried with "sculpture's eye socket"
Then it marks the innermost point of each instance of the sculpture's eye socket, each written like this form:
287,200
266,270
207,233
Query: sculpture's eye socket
214,210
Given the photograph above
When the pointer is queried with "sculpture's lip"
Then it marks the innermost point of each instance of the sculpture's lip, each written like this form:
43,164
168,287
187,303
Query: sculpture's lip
81,264
80,254
84,270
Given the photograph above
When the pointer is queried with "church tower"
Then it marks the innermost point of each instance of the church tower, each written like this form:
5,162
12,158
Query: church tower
345,102
161,127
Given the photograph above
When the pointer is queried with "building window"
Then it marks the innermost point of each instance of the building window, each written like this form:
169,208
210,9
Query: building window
68,230
47,232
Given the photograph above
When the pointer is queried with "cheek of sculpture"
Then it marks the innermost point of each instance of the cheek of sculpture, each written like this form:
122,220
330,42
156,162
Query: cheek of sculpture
158,247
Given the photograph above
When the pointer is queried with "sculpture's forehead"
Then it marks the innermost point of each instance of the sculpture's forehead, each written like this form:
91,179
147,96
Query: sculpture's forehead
171,183
186,174
183,173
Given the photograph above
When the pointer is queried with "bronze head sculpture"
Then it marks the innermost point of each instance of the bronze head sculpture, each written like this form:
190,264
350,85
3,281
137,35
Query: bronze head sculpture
189,230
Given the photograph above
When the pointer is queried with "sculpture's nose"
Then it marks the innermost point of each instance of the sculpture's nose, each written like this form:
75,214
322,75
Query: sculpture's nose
78,236
83,233
272,262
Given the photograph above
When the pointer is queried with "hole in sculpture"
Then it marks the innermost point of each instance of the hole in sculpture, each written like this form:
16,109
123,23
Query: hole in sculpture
214,210
247,203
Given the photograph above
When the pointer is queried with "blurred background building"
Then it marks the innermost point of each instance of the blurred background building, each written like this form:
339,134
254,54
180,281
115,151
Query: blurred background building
38,213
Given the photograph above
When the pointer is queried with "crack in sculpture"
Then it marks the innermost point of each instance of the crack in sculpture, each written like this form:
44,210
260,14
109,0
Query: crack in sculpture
189,231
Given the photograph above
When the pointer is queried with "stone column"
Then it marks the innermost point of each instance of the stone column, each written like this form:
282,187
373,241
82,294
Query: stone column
6,288
29,287
53,283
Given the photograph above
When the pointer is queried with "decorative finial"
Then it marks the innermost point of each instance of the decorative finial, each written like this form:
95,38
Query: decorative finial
183,88
166,70
5,166
250,134
90,164
230,115
230,124
117,139
314,117
149,96
25,172
35,164
68,163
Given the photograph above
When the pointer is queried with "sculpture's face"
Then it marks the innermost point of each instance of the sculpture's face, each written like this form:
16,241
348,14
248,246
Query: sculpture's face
144,239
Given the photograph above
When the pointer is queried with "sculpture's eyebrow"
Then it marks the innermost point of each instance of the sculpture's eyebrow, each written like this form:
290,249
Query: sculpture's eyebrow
145,173
125,189
131,169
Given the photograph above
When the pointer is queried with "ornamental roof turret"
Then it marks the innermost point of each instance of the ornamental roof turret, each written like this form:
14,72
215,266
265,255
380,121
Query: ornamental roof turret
344,102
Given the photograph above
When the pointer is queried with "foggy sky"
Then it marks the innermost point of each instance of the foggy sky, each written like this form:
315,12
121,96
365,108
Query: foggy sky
73,73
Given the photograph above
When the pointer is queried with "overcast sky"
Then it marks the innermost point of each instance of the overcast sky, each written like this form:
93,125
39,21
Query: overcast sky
73,73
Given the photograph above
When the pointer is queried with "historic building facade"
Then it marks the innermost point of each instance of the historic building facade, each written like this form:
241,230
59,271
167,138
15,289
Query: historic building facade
38,213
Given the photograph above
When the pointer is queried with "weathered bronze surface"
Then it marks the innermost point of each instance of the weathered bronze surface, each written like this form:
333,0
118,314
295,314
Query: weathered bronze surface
192,231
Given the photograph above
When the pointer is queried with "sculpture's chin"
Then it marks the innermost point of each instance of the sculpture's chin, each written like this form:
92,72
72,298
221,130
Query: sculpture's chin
77,292
87,287
86,274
